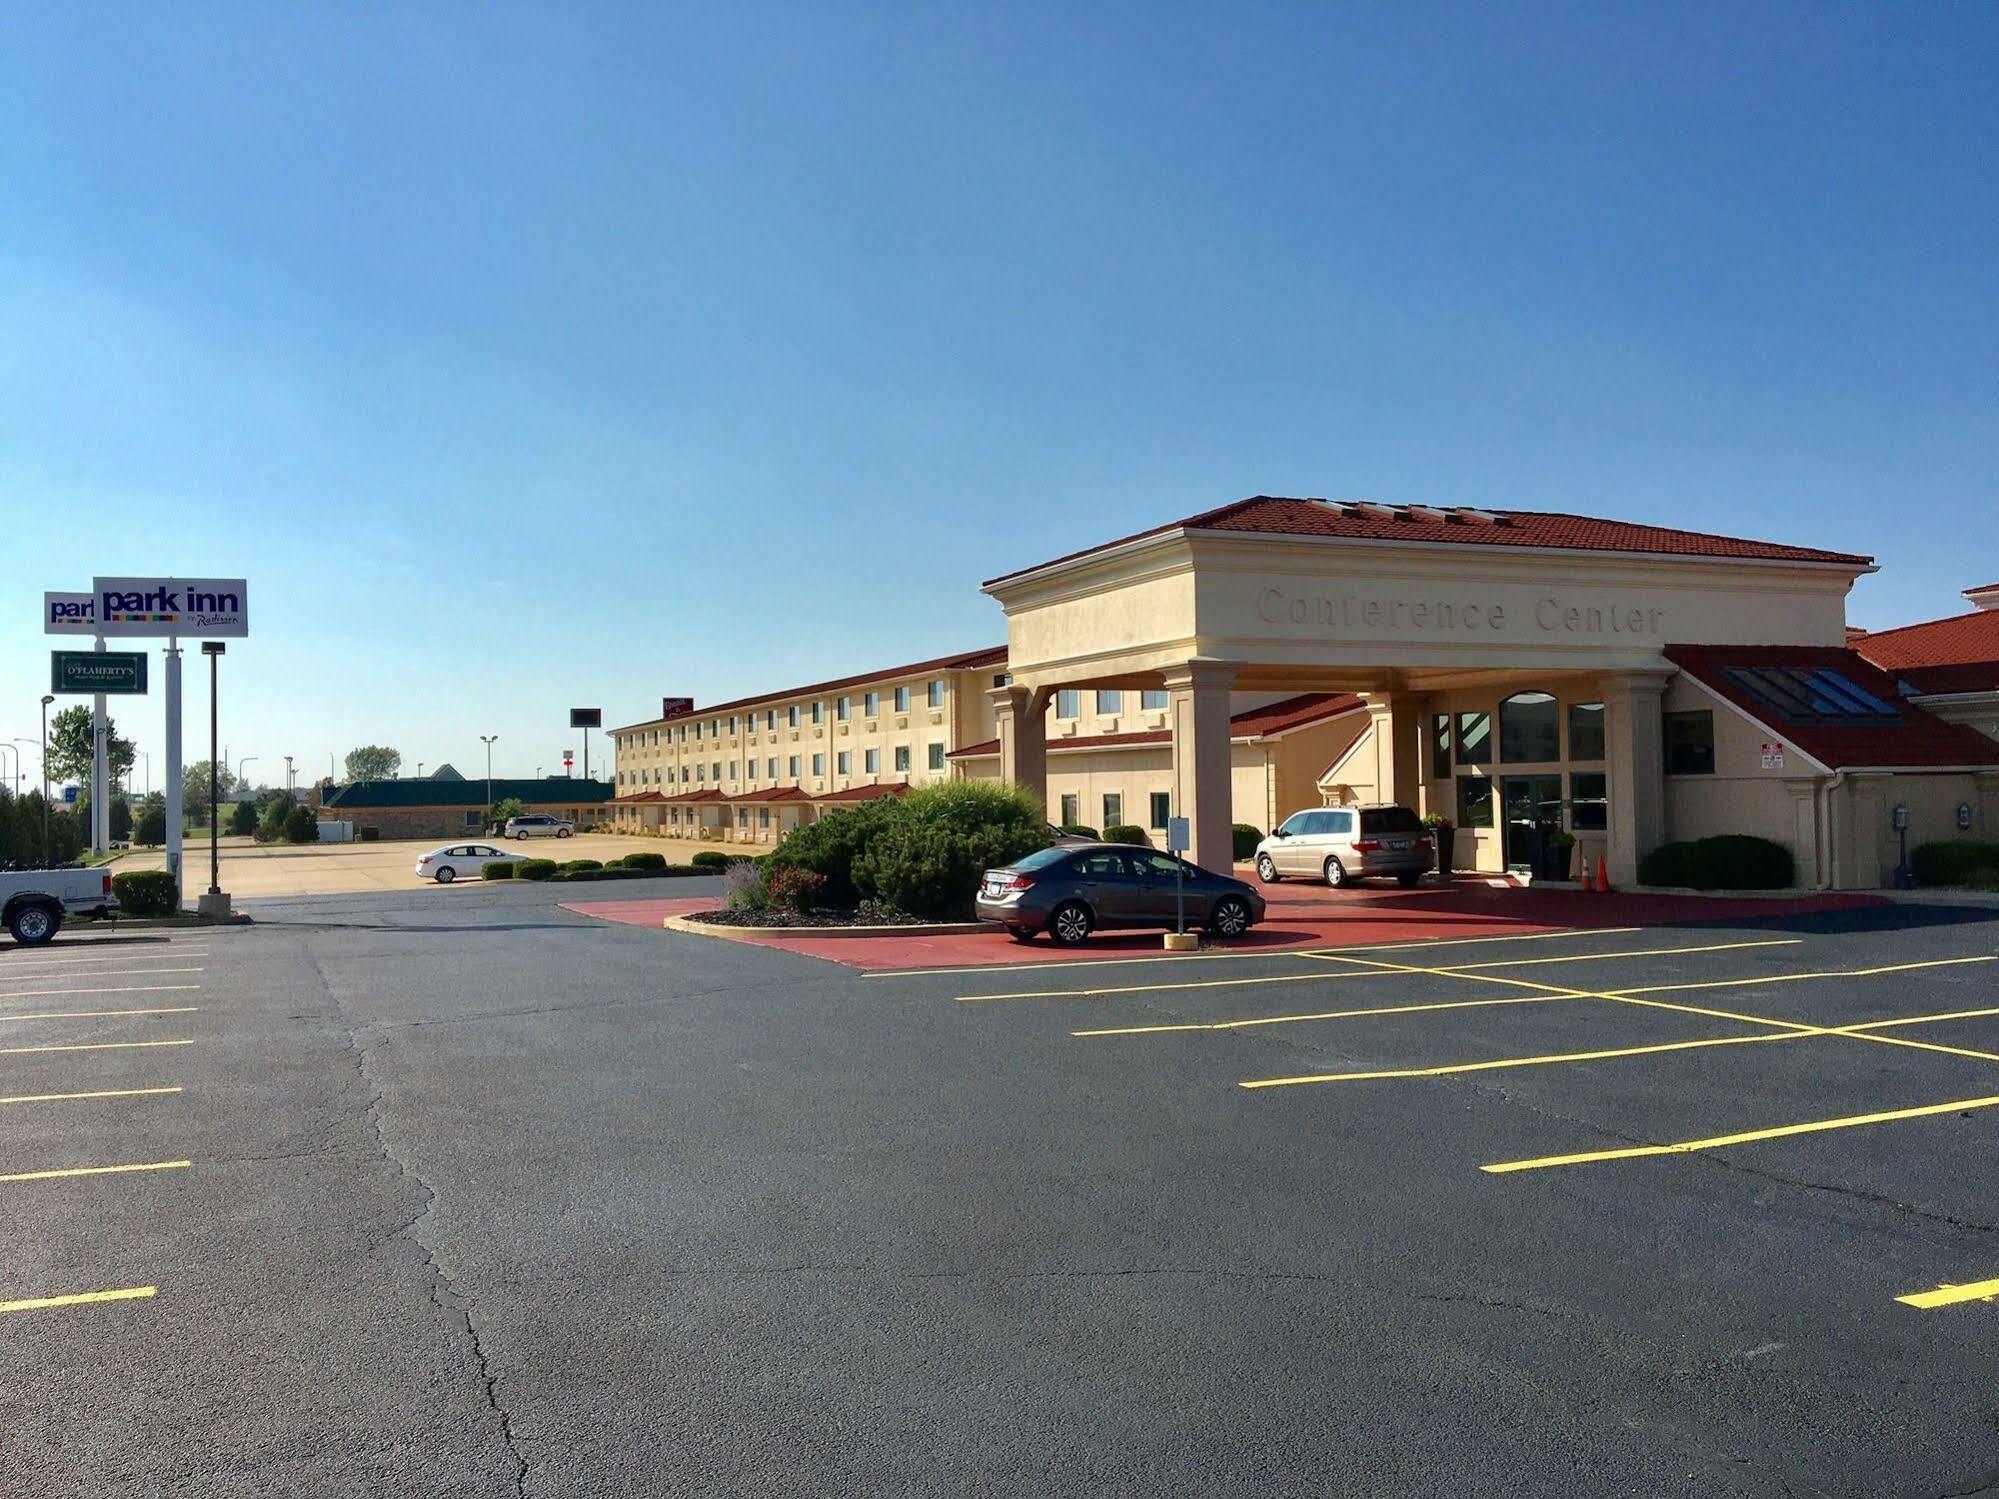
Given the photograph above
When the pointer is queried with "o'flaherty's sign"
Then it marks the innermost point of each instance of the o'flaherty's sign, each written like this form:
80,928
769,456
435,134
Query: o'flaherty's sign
121,672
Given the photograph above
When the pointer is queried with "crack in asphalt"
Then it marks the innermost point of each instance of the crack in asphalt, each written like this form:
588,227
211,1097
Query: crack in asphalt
452,1304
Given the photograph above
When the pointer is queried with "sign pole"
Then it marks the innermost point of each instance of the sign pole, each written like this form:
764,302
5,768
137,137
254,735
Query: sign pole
214,649
173,787
100,797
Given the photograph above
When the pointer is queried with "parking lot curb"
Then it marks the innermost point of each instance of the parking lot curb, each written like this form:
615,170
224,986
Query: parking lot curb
754,933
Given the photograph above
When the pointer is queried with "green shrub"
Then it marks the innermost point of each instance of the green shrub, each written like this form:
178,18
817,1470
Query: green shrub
535,869
711,859
243,819
151,827
146,892
301,826
1983,879
651,862
1729,861
581,866
1952,861
121,820
1124,832
1244,838
833,846
1078,830
498,869
1666,865
926,856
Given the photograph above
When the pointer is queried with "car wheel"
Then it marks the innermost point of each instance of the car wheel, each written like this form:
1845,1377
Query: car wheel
562,832
34,924
1336,874
1070,924
1266,869
446,875
1410,880
1022,934
1231,917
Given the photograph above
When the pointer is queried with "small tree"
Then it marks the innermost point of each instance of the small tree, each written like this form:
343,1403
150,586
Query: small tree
69,747
271,826
150,827
243,819
928,859
121,819
505,807
301,826
194,793
373,762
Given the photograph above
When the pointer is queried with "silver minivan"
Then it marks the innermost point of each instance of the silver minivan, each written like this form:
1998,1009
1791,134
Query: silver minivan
1341,844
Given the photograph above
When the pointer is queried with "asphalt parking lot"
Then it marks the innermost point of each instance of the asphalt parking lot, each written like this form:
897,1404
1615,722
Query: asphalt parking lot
480,1196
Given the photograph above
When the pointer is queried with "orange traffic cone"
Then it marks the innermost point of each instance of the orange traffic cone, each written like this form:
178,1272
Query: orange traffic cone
1602,885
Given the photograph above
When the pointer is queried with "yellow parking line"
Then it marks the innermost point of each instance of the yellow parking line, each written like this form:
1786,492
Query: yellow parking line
1792,978
1977,1290
1236,1025
102,1014
1503,1062
98,974
1741,1137
125,989
80,1298
95,1093
36,1176
1058,964
10,1051
1306,978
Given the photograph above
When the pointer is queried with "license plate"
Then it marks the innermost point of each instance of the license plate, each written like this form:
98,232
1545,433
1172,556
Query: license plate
1398,845
992,887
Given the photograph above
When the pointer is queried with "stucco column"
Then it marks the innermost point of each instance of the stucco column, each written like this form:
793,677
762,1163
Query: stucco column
1635,763
1394,719
1197,712
1021,713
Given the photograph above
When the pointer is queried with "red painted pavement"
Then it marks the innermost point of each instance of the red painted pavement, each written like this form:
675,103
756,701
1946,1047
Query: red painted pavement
1300,916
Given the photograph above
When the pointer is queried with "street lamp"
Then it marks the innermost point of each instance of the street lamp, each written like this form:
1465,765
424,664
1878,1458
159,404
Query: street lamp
13,781
489,738
149,773
239,767
47,698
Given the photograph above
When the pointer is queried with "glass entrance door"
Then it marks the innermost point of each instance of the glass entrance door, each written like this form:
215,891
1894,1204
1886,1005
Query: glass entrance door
1533,808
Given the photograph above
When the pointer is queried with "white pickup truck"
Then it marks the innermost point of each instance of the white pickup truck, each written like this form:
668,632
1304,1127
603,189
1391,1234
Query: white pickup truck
34,903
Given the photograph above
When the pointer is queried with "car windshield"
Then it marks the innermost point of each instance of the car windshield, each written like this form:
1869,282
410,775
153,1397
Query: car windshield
1390,820
1042,858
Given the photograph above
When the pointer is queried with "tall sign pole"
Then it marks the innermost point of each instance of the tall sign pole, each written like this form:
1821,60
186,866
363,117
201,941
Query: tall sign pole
174,809
213,649
100,776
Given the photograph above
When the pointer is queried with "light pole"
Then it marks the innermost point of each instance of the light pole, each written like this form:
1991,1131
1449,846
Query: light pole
489,738
47,698
239,767
288,775
149,773
419,770
13,781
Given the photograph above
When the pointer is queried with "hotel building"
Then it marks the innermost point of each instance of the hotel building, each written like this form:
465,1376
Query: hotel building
1514,671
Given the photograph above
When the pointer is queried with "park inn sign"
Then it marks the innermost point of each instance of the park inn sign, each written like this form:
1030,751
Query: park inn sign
215,608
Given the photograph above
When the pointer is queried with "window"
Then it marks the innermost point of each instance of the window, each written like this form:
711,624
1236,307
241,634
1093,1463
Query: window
1113,808
818,712
902,757
1474,802
770,767
1474,746
1002,679
791,716
935,695
742,817
871,761
472,818
700,774
1440,747
819,764
1589,808
1147,864
842,707
791,767
763,817
714,728
1152,699
1103,865
935,756
871,704
902,699
1585,731
732,723
843,763
1293,825
1072,809
1390,820
1162,808
1690,744
715,771
1068,703
1111,701
1529,728
1819,694
697,733
732,770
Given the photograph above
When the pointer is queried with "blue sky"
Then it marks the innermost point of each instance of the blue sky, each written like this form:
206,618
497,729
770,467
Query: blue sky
524,358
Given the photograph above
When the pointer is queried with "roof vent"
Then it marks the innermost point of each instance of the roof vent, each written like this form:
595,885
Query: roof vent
1373,511
1427,513
1466,515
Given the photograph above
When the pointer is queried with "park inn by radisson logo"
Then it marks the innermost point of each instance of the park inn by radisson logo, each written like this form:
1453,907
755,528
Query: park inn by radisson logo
165,606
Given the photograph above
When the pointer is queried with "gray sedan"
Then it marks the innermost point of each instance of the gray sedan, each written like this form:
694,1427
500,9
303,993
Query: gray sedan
1071,892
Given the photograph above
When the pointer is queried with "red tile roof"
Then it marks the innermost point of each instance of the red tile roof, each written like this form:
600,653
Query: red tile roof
638,796
774,795
1960,640
1915,738
710,795
1423,524
992,655
1273,718
863,793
